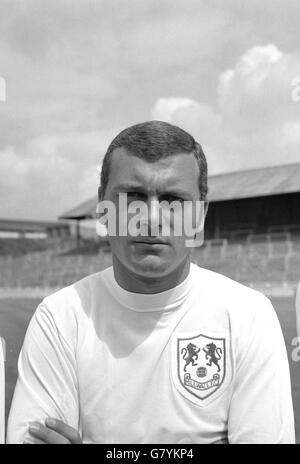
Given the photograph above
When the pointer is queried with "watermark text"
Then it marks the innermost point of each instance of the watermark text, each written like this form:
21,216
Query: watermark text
154,219
295,95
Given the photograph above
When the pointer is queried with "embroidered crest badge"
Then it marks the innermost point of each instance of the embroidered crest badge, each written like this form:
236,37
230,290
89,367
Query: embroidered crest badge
201,364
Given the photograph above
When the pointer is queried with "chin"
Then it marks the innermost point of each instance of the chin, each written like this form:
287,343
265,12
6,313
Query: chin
151,266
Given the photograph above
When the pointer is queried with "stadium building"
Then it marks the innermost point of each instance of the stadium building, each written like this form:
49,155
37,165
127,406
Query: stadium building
11,228
22,236
242,203
252,230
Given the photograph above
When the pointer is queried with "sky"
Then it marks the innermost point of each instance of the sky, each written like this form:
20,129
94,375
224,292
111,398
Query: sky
78,72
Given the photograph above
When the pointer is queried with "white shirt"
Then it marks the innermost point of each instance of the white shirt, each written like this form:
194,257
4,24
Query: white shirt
298,309
193,364
2,390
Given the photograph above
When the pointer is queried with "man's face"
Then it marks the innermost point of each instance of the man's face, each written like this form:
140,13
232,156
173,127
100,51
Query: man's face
174,178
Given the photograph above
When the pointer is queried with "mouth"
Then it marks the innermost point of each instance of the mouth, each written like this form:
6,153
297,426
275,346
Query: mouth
150,241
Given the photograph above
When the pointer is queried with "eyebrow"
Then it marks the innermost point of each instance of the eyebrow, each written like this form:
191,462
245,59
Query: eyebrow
141,189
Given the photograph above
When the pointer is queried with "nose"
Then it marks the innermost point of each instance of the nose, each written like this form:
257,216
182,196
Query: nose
154,215
151,220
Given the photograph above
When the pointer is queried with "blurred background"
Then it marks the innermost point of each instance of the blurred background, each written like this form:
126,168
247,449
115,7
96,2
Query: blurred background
75,73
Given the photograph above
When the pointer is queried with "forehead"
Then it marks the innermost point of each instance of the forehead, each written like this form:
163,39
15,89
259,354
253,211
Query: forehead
180,171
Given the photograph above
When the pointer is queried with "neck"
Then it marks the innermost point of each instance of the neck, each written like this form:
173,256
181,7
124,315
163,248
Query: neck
140,284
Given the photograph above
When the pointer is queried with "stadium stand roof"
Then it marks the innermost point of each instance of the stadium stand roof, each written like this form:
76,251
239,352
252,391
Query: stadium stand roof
272,180
85,210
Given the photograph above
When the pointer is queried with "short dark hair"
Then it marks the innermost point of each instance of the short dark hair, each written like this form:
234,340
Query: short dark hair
152,141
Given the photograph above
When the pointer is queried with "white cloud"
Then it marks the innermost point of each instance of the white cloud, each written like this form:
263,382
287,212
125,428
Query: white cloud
257,91
254,122
197,118
165,108
76,70
51,174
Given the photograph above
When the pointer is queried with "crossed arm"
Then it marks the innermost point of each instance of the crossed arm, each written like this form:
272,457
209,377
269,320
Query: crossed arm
54,432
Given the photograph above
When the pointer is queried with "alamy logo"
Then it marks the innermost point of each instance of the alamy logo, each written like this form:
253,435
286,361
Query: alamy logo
159,219
2,89
295,94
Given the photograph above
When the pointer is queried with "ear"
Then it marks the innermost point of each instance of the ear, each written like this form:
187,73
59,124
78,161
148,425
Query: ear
100,199
101,223
202,217
101,229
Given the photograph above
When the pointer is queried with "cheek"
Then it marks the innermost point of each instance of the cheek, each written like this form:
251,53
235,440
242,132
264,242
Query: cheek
179,244
118,245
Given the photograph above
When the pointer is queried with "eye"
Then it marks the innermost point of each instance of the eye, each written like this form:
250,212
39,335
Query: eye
131,196
170,198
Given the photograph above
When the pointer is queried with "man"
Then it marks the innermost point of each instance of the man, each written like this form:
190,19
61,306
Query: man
153,349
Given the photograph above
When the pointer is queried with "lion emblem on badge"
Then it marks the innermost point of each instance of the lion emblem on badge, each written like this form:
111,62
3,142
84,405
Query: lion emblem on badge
213,353
190,353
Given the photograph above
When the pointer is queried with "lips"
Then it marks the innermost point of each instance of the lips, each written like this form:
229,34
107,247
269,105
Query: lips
151,241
